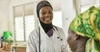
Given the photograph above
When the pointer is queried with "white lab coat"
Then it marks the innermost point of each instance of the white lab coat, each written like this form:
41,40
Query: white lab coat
48,44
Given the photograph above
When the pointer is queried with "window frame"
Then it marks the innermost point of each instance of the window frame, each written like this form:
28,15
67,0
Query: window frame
23,16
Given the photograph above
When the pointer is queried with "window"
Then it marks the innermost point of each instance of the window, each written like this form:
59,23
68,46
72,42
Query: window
19,32
86,4
86,7
24,21
23,27
29,25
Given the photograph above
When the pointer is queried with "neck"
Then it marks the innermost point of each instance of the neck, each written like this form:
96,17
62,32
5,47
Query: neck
46,27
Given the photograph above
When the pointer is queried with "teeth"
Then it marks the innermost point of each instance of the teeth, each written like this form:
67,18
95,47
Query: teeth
47,18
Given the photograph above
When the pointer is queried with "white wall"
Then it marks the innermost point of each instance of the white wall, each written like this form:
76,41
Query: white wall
20,2
4,15
68,13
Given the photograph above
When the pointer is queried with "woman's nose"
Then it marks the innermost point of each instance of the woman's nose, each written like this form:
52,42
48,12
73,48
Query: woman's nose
47,15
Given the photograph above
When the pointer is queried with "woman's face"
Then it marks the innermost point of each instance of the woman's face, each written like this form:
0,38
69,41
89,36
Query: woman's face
46,14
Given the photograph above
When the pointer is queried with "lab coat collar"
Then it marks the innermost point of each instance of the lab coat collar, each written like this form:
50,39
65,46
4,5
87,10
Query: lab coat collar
43,32
41,28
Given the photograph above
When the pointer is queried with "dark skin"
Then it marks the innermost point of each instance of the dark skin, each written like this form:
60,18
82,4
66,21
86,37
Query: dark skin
46,14
76,43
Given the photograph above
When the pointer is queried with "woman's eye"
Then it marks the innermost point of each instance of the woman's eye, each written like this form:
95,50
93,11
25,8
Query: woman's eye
43,12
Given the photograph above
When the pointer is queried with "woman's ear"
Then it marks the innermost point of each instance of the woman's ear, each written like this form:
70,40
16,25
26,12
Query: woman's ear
76,37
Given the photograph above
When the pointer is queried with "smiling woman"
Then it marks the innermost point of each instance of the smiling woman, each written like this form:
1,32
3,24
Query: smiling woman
46,15
47,37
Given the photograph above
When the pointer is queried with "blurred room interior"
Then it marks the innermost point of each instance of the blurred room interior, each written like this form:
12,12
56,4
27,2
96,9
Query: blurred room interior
19,17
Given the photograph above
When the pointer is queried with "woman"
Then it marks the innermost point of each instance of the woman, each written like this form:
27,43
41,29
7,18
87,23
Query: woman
47,37
84,31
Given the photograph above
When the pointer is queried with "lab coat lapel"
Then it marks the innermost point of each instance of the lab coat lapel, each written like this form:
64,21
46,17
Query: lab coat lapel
44,36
